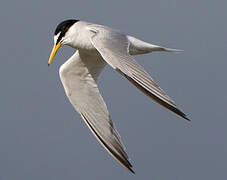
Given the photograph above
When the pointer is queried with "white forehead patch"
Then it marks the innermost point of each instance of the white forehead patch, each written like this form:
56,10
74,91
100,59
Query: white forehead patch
56,37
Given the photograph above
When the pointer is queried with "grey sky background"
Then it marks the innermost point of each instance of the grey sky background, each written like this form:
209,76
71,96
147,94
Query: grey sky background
42,137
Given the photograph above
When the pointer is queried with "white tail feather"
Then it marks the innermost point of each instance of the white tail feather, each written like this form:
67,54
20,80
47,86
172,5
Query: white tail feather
140,47
172,50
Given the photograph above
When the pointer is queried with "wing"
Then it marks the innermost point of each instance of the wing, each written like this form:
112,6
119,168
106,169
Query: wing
79,75
114,48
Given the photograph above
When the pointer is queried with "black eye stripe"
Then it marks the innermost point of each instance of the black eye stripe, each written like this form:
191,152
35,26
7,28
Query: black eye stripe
62,34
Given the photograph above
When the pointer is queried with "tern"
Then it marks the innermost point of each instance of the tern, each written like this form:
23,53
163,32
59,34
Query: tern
96,46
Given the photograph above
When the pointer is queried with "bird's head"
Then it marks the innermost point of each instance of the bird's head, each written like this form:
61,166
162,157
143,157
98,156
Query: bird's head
60,35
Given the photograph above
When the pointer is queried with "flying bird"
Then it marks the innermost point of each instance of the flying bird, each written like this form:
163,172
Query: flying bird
96,46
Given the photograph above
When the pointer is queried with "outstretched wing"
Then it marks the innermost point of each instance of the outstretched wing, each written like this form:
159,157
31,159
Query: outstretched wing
113,47
79,75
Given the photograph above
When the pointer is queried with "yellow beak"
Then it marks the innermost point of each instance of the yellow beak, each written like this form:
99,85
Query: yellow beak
53,52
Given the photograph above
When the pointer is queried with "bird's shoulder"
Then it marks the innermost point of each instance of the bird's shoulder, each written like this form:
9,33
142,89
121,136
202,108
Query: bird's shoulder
103,30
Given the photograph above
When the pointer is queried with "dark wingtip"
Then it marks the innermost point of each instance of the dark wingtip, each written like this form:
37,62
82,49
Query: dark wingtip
170,107
187,119
124,161
131,170
128,165
181,114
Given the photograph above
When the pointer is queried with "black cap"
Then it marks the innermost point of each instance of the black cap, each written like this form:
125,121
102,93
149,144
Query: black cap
63,27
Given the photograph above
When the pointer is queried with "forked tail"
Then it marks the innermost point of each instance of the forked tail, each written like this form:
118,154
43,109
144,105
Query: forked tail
140,47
